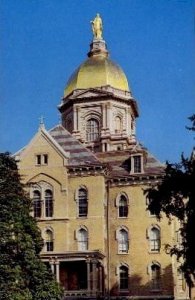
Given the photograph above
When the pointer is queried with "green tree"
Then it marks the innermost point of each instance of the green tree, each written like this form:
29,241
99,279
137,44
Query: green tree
175,196
23,276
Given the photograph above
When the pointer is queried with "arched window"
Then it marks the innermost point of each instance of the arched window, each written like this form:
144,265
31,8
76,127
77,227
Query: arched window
123,207
92,130
49,240
118,124
154,239
48,203
82,203
82,239
155,276
123,241
123,275
37,204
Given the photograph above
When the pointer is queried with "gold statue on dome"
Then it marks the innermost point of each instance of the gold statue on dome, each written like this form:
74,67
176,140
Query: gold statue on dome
97,27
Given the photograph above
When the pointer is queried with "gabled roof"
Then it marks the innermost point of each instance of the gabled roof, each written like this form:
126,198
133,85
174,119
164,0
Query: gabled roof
43,132
79,155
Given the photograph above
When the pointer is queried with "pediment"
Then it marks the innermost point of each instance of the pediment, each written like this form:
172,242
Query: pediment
89,93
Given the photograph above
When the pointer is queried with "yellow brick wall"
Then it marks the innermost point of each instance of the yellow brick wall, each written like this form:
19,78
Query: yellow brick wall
66,221
139,256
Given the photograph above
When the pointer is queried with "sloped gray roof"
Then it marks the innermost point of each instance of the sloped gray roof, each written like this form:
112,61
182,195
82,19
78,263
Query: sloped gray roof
119,162
79,155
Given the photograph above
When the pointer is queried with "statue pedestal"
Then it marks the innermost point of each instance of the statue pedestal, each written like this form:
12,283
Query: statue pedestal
98,47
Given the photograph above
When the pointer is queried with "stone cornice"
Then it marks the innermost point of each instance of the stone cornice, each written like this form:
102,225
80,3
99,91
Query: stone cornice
134,180
86,170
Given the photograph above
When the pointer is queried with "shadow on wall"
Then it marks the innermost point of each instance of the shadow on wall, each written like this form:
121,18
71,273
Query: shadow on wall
163,287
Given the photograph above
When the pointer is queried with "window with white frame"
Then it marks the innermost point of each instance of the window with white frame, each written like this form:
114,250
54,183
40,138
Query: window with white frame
82,202
154,238
49,244
92,130
123,278
82,238
155,276
137,164
123,241
42,194
48,203
37,204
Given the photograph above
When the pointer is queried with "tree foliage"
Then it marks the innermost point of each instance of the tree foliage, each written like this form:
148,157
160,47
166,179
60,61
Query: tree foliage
175,196
23,276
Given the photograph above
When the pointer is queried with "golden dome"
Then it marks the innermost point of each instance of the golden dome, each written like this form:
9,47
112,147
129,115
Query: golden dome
98,70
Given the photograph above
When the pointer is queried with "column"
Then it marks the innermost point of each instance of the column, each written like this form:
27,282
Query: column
51,262
103,116
78,119
101,278
128,120
109,116
88,274
75,119
57,263
94,277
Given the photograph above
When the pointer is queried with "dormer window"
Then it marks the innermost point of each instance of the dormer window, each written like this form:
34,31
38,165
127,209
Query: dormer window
136,164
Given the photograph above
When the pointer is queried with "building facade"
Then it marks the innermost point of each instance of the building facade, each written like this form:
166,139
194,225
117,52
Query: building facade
87,178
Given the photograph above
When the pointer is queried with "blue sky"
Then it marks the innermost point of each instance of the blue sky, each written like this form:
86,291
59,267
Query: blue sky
43,41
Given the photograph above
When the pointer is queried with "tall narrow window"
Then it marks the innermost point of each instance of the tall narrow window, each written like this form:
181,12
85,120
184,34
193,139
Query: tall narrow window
123,207
151,212
155,277
82,203
38,159
82,239
123,273
37,204
49,240
123,241
45,159
92,130
137,164
154,239
48,203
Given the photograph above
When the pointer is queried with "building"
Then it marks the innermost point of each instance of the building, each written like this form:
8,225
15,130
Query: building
87,178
